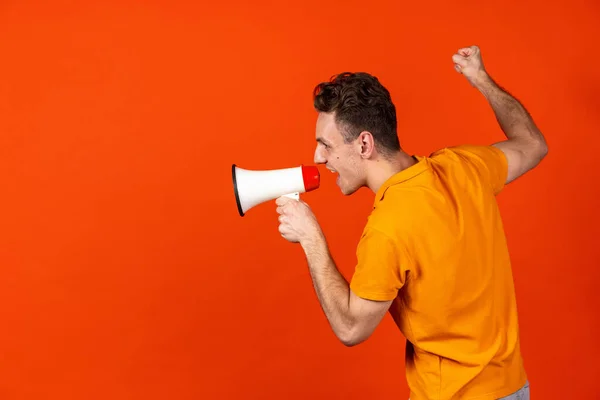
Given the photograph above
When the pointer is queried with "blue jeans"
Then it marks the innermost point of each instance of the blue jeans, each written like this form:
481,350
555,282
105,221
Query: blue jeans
521,394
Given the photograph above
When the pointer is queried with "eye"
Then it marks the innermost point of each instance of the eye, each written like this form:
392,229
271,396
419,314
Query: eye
323,144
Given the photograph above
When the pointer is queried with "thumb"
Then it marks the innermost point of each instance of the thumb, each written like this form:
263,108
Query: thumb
459,60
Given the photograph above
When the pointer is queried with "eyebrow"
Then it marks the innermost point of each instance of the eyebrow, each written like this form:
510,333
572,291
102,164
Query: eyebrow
323,141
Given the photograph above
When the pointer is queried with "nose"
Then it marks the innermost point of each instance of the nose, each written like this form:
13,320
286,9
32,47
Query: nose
319,157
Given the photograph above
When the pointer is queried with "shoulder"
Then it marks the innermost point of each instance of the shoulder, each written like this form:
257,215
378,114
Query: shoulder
482,154
486,163
392,215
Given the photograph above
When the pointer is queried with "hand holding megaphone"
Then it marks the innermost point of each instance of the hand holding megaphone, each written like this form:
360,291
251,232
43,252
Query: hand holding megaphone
297,222
254,187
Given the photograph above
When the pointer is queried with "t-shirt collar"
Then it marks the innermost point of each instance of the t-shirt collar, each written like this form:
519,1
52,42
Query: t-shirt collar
402,176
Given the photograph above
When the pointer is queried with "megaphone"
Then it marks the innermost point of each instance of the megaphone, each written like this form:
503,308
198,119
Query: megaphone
254,187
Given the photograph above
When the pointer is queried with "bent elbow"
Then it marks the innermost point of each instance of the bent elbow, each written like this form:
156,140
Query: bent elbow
534,152
542,149
349,342
351,338
545,152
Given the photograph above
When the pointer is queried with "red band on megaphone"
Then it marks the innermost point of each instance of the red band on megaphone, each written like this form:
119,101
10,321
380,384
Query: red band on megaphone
311,177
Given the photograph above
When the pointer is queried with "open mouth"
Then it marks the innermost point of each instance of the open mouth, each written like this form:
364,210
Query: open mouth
337,180
333,171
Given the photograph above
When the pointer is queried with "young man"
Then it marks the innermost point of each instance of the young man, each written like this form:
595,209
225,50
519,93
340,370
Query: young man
433,252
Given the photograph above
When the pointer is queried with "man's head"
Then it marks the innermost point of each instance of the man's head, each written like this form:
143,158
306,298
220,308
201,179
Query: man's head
356,127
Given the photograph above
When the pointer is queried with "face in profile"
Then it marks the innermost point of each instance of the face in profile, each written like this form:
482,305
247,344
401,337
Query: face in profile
343,159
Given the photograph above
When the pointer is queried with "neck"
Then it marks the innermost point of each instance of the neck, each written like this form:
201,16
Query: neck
383,169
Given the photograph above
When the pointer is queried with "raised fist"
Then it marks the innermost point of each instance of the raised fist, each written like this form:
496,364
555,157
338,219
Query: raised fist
467,61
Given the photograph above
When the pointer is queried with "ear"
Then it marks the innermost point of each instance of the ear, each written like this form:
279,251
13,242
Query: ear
367,144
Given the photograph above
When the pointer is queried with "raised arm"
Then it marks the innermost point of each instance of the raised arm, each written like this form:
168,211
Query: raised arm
525,146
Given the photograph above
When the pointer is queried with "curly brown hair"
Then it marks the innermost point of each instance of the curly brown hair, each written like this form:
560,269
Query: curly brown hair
360,103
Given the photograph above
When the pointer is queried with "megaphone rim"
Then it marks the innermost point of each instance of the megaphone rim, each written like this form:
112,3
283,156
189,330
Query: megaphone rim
235,189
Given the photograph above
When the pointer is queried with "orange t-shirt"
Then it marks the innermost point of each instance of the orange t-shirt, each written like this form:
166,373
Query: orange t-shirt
435,244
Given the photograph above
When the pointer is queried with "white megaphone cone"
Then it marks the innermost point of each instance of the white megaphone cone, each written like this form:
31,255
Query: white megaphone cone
255,187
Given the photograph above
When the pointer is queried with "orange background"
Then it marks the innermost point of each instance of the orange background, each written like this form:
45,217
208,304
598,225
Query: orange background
126,272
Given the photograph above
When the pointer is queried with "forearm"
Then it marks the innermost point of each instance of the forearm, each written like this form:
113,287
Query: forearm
513,118
331,287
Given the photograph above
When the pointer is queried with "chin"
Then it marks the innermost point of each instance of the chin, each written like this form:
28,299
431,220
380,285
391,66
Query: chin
348,191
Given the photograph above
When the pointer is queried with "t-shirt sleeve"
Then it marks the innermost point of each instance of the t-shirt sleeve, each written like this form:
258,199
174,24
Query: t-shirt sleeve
489,162
378,274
